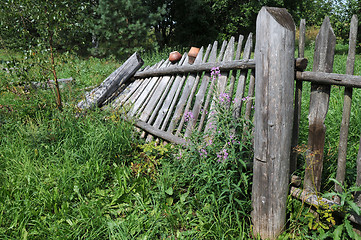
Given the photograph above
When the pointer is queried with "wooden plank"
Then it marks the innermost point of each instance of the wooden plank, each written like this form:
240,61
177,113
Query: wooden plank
191,80
346,113
249,106
210,91
330,79
237,108
185,69
201,92
146,92
166,107
221,82
324,203
191,95
133,98
99,94
298,100
158,95
234,72
274,56
228,56
133,86
319,102
156,132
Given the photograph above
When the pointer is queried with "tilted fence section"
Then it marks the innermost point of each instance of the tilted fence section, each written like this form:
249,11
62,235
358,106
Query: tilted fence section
170,101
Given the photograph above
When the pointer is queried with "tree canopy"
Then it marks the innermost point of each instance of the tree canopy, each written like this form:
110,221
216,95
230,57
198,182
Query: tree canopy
118,27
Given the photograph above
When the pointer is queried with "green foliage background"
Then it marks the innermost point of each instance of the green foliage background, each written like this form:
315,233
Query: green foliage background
119,27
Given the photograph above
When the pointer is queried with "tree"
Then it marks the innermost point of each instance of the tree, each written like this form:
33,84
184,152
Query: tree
123,26
37,25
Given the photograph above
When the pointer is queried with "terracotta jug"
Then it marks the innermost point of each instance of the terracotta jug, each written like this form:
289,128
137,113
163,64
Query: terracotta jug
174,57
192,54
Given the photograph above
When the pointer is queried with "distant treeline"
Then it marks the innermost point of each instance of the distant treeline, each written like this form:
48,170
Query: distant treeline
118,27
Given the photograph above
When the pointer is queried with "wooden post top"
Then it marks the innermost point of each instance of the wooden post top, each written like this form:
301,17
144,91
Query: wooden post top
282,16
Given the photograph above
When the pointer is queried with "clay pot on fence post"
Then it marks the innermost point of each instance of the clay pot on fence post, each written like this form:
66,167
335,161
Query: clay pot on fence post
192,54
174,57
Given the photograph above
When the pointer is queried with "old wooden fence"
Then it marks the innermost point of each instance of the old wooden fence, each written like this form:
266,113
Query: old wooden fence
160,96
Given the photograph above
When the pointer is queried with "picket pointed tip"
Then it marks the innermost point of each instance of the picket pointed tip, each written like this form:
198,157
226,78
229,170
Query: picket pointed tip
326,28
199,56
282,16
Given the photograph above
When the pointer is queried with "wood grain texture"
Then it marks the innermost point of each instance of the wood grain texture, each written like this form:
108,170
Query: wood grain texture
99,94
319,102
200,96
148,90
346,113
213,57
190,98
182,101
167,105
185,69
234,72
298,101
237,108
274,56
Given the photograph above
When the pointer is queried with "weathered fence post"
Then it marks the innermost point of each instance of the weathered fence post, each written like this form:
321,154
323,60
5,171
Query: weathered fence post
319,100
346,113
274,57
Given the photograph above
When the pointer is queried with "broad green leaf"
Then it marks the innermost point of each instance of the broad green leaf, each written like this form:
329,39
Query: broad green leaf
337,233
349,229
169,191
354,207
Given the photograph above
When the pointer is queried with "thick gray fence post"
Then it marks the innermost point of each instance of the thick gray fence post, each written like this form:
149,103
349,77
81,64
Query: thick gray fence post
274,57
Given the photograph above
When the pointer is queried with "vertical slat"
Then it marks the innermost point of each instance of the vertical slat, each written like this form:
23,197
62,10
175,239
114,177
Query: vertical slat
249,105
228,55
242,80
223,48
146,92
298,100
274,57
234,72
194,88
191,80
201,92
221,82
166,105
210,90
127,92
142,86
120,102
342,147
158,95
319,102
160,85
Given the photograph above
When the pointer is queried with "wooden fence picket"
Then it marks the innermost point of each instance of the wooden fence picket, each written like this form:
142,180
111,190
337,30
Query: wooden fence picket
298,100
319,102
346,113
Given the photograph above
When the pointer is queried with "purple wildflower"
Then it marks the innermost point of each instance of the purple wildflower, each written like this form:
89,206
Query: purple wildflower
222,155
215,72
224,97
188,116
203,153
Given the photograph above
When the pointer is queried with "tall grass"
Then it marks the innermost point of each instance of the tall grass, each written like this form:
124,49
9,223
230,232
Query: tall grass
91,177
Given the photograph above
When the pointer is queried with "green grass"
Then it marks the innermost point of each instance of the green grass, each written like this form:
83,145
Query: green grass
92,177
